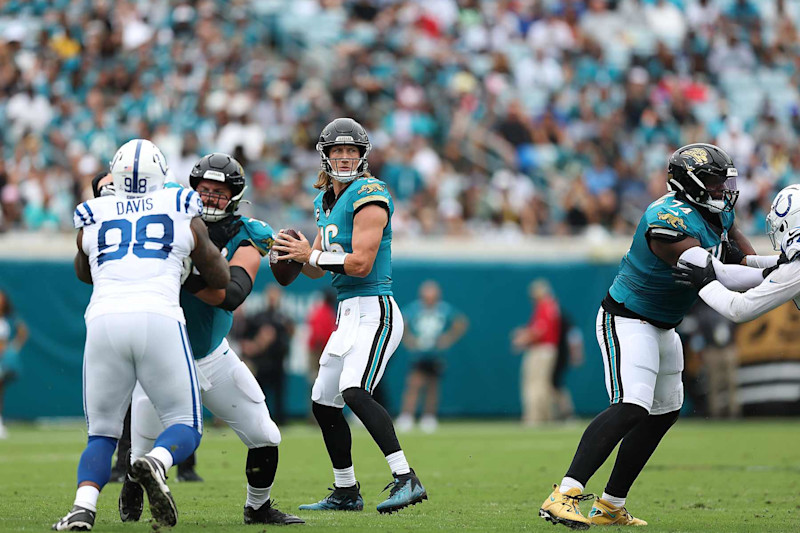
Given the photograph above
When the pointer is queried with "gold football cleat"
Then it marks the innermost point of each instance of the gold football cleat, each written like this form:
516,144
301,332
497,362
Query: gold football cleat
605,514
563,508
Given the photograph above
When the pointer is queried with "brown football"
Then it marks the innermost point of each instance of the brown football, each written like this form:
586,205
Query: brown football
285,272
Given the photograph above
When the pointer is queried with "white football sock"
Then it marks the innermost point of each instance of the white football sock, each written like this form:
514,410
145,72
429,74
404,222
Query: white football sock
257,497
163,455
398,464
344,477
570,483
613,500
86,496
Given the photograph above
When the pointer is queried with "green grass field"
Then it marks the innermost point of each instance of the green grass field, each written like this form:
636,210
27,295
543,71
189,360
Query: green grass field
706,476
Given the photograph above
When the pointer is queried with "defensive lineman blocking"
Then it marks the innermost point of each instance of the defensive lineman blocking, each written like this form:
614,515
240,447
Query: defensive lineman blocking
131,247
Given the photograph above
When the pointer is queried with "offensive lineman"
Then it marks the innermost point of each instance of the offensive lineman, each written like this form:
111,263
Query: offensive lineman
131,247
643,356
227,386
353,212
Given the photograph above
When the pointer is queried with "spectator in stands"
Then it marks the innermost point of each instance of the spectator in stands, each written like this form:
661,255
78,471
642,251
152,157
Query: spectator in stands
538,340
432,327
13,335
633,79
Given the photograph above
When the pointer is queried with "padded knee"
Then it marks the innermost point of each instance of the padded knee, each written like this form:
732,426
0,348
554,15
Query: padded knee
268,434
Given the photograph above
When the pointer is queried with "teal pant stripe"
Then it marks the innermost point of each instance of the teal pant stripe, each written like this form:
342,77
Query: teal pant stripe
384,338
612,360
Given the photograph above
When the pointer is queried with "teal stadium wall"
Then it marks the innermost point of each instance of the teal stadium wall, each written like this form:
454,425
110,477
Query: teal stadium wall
482,378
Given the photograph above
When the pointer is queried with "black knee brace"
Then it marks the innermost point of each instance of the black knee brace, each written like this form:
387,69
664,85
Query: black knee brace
262,463
374,417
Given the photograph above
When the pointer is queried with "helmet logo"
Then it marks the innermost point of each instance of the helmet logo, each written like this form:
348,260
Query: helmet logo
699,155
788,206
161,165
344,139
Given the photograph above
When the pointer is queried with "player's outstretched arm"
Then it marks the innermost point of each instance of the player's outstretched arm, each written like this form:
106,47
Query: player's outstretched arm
207,258
82,268
778,288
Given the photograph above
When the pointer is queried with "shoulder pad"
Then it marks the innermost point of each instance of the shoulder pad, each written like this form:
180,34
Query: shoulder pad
370,190
187,201
83,215
259,233
663,217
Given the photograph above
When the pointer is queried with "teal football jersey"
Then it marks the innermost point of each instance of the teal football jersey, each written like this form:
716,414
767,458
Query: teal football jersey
428,324
335,223
644,282
208,325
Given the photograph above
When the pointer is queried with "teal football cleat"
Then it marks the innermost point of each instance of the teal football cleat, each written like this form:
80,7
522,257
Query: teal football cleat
340,499
405,490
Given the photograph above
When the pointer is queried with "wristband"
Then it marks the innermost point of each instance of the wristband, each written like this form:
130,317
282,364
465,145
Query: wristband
328,261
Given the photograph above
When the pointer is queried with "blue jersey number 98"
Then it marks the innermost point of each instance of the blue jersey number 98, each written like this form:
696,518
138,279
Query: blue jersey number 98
126,232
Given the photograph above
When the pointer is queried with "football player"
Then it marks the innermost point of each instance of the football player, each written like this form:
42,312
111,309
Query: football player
354,213
228,388
781,282
642,353
131,247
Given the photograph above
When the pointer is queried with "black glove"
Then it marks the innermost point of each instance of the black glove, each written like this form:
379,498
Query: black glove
782,260
224,230
692,275
732,255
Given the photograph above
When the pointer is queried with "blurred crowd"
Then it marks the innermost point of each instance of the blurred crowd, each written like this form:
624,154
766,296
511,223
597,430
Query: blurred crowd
518,117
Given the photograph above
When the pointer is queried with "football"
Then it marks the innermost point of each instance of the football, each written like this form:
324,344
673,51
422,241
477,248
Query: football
285,272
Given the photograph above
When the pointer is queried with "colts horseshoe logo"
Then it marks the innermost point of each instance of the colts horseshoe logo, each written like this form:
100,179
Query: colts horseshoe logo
788,205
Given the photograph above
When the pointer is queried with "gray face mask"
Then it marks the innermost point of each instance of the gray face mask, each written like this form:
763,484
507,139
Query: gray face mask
107,190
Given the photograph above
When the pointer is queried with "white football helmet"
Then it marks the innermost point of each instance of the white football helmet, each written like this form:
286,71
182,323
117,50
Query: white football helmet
138,168
784,215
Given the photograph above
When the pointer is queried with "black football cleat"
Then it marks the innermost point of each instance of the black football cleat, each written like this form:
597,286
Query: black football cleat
150,474
78,519
131,501
267,514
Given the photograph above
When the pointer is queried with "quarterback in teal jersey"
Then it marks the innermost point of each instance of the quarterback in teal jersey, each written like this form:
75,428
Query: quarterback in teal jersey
227,387
354,219
642,353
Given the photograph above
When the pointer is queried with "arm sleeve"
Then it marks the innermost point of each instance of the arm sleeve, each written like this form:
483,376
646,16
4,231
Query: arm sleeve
237,290
733,277
761,261
779,287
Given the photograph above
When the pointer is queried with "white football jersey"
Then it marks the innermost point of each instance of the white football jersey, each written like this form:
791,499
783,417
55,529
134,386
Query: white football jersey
136,249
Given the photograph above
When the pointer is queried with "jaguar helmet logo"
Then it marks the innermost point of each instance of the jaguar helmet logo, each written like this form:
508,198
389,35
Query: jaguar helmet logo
698,155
